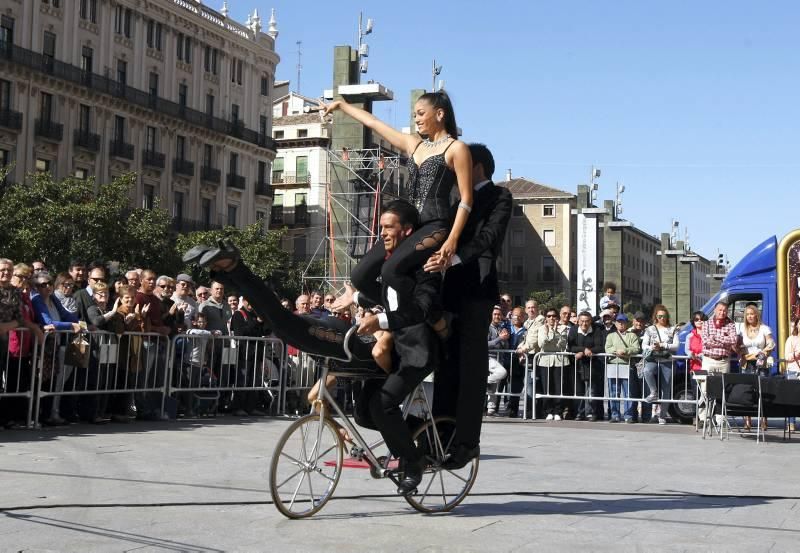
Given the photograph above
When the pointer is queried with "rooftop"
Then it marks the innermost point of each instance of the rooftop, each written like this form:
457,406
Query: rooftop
523,188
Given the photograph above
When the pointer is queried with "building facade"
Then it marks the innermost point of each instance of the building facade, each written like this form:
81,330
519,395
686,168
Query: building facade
539,249
170,89
300,173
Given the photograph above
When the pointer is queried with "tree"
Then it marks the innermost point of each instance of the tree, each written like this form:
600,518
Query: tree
260,250
545,299
57,221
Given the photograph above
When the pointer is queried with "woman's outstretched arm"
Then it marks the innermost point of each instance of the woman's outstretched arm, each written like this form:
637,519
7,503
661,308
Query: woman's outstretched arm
462,164
404,142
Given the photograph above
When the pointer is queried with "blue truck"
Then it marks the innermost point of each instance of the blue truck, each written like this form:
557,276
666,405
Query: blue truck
768,276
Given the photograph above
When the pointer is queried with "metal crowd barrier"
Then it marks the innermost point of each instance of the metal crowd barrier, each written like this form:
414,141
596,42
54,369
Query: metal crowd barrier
511,387
300,375
19,351
568,378
203,366
101,363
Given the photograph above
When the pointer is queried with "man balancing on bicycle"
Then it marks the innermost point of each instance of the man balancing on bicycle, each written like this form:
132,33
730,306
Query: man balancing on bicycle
416,347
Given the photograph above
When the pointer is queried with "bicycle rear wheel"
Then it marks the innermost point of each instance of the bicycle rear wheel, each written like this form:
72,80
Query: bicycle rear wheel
441,490
306,466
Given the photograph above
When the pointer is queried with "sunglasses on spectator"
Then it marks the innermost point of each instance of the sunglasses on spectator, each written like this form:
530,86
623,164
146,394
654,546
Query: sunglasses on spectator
661,317
552,316
43,284
23,276
166,286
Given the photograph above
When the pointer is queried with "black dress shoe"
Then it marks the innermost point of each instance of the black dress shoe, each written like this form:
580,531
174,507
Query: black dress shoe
225,252
461,457
194,254
412,476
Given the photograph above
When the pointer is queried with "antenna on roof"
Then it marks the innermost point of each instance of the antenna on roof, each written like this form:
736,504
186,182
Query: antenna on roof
299,62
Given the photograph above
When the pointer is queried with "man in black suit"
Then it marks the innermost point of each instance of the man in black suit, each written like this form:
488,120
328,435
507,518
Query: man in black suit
470,291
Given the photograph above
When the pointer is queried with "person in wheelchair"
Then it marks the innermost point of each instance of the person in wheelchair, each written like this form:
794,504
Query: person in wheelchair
416,347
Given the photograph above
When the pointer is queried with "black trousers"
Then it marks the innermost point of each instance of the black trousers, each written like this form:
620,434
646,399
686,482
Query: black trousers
460,385
398,271
316,336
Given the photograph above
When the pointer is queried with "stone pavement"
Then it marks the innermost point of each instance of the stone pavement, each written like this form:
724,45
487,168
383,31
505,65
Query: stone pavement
201,486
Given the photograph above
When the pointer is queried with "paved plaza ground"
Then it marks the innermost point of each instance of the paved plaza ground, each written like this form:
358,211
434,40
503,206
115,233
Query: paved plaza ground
201,486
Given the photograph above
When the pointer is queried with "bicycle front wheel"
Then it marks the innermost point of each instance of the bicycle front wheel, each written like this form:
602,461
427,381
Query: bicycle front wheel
306,466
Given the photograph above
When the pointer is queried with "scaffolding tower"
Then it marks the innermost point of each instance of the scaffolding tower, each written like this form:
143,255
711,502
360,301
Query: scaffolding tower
359,182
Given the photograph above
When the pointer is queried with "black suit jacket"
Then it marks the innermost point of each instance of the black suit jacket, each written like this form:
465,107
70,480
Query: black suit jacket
479,246
414,341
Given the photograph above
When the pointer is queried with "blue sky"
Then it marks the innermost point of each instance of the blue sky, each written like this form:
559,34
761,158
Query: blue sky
693,106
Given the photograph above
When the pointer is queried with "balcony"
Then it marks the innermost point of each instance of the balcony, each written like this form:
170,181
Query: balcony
285,177
106,85
236,181
10,119
192,225
209,174
49,130
264,189
183,167
86,140
151,158
118,148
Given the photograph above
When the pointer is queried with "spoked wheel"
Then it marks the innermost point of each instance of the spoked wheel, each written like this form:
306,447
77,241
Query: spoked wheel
306,466
441,490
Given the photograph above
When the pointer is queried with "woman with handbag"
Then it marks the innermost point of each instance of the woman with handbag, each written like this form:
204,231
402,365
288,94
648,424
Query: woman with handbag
756,345
552,338
661,340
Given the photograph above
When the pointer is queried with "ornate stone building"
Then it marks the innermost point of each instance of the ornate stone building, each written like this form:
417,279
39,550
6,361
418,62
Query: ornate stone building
170,89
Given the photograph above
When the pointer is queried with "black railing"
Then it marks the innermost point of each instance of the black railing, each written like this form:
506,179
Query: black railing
301,215
49,129
10,119
183,167
86,140
106,85
151,158
209,174
264,189
192,225
118,148
236,181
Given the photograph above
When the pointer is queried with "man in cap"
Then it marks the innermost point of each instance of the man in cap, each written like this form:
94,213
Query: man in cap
620,345
183,298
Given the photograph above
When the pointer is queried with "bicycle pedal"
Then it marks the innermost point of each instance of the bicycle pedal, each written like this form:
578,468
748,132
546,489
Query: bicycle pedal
357,453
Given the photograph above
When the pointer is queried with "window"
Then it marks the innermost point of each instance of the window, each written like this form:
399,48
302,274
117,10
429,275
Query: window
300,209
46,107
302,133
183,92
150,139
276,215
302,168
48,51
5,157
517,269
236,71
42,165
548,210
262,172
548,269
184,48
549,237
122,72
277,170
119,128
233,164
5,94
235,113
232,215
6,33
210,59
518,211
148,196
127,27
153,86
262,125
177,205
517,239
87,59
210,105
81,174
277,135
153,35
208,155
88,10
180,147
261,215
264,86
239,67
84,119
205,212
122,21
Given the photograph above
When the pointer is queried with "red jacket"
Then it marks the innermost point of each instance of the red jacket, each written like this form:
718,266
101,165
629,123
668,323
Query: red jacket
695,346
